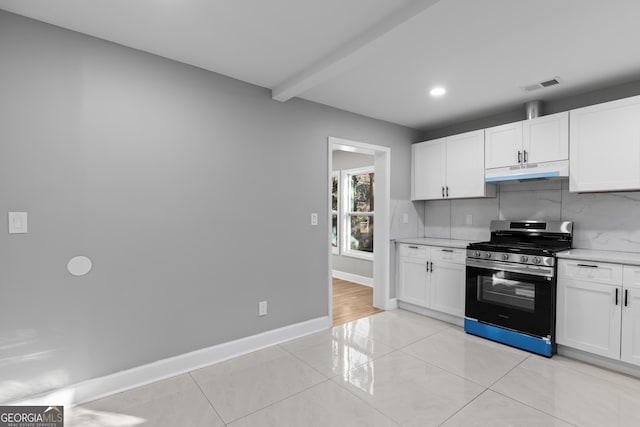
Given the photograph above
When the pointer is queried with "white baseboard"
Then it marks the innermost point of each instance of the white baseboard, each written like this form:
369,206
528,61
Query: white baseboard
135,377
355,278
392,304
445,317
597,360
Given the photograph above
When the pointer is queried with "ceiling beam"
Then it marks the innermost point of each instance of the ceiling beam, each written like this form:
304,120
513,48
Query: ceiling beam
347,54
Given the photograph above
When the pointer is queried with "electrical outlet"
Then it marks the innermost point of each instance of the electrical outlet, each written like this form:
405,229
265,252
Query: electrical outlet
262,308
469,219
405,218
314,219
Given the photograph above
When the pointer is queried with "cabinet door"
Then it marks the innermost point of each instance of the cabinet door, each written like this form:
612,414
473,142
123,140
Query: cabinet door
604,141
447,288
588,317
630,347
412,280
502,144
546,139
428,169
465,165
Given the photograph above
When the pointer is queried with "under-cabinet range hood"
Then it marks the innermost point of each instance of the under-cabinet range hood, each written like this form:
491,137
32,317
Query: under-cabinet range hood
547,170
546,134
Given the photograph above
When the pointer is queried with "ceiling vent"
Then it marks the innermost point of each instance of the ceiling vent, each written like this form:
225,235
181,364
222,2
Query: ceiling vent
542,85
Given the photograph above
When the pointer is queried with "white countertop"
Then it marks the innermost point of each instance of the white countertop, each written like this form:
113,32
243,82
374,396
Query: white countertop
448,243
632,258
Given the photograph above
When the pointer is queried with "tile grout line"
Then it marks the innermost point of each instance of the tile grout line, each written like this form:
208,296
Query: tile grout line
464,406
533,407
343,387
207,397
304,362
280,400
524,403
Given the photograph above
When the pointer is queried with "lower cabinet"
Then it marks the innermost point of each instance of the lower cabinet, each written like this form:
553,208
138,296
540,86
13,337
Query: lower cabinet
598,309
432,277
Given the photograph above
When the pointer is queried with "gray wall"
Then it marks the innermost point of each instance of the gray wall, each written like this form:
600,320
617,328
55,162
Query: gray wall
190,191
362,267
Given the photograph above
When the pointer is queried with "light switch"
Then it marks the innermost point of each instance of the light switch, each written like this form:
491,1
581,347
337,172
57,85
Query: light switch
314,219
469,219
405,218
17,222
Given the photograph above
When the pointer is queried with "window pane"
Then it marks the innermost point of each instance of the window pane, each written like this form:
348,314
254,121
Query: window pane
361,233
362,192
334,231
334,193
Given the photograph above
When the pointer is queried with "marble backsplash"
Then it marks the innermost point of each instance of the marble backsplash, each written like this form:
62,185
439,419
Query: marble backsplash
603,221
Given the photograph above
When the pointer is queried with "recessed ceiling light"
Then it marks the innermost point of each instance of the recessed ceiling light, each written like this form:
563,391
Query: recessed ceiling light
438,91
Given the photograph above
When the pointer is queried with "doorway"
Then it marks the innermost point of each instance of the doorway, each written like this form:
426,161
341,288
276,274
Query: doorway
376,221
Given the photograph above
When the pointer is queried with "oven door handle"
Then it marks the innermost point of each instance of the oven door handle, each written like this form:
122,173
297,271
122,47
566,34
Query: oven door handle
532,270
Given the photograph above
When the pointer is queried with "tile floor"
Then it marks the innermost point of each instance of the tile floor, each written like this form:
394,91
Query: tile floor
393,368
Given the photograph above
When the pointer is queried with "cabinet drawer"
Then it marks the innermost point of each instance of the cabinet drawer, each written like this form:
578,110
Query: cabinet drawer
414,251
631,276
599,272
453,255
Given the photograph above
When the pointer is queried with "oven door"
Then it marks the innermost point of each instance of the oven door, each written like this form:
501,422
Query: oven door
514,296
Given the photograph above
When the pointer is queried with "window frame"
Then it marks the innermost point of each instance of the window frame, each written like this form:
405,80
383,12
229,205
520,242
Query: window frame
346,214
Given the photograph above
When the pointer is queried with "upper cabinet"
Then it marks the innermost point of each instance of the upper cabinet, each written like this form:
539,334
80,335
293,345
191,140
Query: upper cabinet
538,146
503,145
605,146
546,138
449,168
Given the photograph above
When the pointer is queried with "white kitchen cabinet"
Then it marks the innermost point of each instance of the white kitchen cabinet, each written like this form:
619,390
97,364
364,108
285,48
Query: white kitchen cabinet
588,318
428,169
598,309
605,146
529,142
630,349
432,277
413,275
449,168
503,145
448,281
546,138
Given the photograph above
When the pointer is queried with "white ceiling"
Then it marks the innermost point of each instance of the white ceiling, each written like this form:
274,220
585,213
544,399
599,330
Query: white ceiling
378,58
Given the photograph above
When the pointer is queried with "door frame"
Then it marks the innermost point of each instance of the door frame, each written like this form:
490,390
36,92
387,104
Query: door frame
381,225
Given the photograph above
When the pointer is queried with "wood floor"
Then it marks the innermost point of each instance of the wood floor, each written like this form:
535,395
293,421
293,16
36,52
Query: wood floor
351,301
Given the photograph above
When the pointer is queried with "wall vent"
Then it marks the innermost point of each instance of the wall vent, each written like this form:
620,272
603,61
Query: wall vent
542,85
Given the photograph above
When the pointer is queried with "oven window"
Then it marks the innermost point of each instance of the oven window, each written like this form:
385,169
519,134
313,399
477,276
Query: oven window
508,293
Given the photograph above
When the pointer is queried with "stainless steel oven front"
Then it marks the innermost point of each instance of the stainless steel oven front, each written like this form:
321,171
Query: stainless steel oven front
518,297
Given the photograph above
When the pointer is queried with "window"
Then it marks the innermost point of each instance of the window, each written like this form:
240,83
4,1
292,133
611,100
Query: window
335,198
358,212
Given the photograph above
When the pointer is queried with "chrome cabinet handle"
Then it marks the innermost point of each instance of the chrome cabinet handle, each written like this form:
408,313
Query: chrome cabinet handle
442,191
616,296
447,250
525,156
519,156
447,191
413,247
432,267
587,265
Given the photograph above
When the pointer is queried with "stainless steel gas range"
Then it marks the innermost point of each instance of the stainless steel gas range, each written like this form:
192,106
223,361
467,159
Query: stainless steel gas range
511,283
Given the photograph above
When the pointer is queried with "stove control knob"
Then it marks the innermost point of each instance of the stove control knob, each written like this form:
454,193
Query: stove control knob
487,255
536,260
505,257
524,258
476,254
